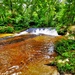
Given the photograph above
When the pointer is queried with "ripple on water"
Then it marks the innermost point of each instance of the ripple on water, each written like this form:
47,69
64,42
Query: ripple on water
27,57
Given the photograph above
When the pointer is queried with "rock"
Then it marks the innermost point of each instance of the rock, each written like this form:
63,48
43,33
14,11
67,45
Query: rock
67,74
71,30
4,35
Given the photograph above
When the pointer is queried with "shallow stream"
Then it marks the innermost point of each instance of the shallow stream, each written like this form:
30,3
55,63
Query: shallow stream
27,54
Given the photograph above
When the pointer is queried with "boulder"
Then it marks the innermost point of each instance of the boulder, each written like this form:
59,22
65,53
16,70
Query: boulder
71,32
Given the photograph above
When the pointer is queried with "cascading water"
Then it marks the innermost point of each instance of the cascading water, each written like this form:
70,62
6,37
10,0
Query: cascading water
37,31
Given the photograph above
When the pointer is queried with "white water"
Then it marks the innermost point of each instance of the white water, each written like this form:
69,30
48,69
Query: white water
37,31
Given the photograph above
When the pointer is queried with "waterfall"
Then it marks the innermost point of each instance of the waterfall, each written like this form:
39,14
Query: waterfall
38,31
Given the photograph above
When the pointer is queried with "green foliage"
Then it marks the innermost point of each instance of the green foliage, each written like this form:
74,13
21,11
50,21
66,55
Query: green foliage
61,29
8,29
65,61
23,14
65,45
2,29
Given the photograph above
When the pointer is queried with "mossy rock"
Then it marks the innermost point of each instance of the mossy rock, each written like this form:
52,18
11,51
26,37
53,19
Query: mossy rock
71,30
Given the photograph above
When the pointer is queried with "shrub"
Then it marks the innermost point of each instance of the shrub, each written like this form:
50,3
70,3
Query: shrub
9,29
6,29
65,45
2,29
65,61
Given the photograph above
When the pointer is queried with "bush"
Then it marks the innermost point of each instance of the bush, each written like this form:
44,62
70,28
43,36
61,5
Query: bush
65,45
9,29
6,29
2,29
65,61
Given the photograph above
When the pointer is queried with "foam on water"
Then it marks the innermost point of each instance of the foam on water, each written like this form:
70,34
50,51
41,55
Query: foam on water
21,33
37,31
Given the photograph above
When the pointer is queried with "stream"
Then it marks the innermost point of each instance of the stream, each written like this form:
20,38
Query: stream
28,53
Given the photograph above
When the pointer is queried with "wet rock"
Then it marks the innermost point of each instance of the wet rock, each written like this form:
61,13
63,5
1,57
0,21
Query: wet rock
4,35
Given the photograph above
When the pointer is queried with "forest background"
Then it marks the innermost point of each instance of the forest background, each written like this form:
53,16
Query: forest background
18,15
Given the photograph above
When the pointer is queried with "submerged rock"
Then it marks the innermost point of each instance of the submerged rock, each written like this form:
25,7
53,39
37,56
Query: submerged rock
27,55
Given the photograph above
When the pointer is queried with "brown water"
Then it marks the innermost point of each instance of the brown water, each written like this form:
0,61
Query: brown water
27,55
